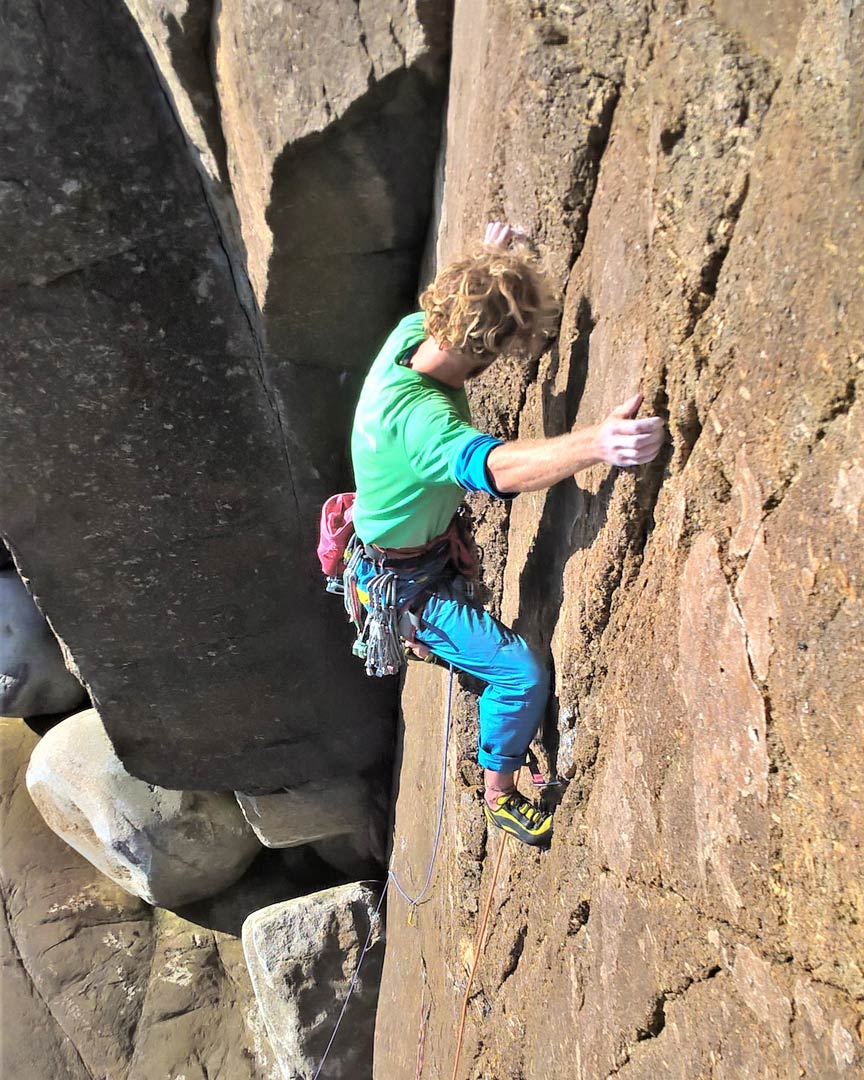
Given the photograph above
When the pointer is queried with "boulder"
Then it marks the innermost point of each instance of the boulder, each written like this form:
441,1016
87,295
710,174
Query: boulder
308,812
352,810
33,677
168,847
302,956
95,983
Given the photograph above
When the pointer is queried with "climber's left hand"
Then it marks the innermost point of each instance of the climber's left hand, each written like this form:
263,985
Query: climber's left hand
498,234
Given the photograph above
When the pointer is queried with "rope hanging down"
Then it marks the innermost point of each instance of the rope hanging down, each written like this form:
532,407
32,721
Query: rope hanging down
478,945
373,922
391,877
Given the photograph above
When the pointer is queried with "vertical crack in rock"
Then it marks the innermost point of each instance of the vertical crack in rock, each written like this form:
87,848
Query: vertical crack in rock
835,410
704,295
656,1016
142,1009
190,45
516,950
395,39
656,1020
582,193
361,37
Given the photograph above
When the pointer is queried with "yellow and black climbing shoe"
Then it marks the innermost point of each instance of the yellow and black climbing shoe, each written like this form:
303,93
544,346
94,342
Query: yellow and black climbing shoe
516,815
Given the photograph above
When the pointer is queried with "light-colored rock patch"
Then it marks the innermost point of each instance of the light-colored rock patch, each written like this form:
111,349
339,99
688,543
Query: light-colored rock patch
33,678
305,813
302,956
168,847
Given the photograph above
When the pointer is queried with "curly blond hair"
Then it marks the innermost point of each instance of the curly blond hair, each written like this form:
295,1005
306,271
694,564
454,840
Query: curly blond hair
491,301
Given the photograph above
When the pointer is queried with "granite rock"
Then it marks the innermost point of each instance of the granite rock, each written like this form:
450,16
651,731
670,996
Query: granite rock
302,956
167,847
34,679
94,982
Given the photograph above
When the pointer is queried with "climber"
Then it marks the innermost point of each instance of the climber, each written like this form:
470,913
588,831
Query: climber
415,454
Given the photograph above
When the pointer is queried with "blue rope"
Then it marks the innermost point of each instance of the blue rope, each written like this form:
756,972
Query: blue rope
373,922
391,877
415,900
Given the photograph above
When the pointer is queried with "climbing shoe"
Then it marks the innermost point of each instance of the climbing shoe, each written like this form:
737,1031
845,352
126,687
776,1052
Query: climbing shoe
516,815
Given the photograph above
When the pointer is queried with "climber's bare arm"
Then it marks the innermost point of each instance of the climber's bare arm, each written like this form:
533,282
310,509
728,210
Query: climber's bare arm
533,464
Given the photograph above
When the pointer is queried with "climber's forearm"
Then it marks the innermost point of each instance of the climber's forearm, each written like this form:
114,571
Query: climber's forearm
533,464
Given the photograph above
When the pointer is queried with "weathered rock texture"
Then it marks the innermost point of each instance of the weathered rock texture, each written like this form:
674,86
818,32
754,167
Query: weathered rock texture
302,956
695,174
166,847
97,984
318,811
322,121
33,677
158,503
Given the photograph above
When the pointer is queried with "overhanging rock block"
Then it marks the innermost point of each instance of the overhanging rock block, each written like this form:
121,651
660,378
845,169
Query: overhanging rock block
164,501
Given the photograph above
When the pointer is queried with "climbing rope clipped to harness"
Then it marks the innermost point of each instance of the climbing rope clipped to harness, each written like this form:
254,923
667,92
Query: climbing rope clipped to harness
381,623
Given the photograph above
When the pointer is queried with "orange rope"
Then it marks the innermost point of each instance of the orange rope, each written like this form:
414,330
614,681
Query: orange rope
477,948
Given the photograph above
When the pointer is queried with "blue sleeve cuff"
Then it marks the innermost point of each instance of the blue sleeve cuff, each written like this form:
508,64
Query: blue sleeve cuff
470,471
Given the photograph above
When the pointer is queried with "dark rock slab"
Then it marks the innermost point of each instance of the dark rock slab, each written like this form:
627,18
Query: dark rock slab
161,510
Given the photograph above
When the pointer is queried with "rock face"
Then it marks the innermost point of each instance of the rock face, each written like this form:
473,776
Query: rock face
33,678
350,816
179,368
163,508
93,982
322,121
302,956
695,177
167,847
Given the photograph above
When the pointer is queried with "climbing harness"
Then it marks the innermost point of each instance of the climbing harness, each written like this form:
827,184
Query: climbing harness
381,622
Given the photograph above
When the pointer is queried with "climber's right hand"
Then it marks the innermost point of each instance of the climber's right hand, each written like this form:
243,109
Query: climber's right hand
623,441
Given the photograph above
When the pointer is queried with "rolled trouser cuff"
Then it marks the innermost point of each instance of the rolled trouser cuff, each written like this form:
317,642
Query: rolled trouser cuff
500,764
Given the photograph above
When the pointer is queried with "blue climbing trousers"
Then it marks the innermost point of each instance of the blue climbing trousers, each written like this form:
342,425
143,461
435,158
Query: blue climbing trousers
461,632
464,634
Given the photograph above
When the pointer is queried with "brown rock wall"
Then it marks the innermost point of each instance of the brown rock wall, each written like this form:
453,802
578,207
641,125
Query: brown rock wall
699,911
